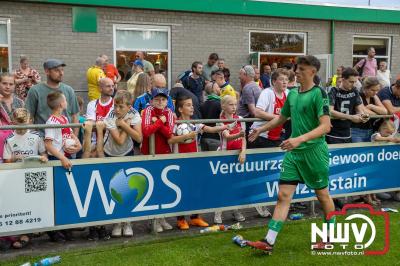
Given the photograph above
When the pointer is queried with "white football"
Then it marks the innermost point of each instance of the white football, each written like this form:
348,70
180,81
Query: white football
68,143
184,129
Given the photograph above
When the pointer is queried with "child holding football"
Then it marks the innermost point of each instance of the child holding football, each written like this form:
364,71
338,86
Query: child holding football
184,140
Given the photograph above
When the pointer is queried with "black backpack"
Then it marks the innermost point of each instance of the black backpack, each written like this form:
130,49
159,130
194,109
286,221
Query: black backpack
361,70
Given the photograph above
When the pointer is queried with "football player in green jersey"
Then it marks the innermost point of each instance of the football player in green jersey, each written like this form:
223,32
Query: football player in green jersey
306,160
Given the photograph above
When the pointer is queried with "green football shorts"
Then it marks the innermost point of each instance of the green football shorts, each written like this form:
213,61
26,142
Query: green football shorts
310,166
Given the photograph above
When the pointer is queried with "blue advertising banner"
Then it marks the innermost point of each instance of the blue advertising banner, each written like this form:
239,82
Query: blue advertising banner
98,192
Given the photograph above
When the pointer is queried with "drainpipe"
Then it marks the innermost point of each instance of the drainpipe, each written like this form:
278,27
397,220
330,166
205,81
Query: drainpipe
332,51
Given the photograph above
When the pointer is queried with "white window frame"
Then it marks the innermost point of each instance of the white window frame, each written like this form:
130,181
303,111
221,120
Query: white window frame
7,45
279,32
389,48
167,29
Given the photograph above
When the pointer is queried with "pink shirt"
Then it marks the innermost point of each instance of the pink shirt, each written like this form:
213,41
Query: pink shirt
369,67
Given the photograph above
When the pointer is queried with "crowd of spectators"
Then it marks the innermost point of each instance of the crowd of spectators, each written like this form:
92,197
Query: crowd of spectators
119,122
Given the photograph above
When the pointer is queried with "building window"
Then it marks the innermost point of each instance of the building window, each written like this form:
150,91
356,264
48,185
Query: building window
153,40
5,62
381,44
277,47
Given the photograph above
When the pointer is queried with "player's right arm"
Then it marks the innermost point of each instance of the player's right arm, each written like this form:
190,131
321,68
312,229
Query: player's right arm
276,122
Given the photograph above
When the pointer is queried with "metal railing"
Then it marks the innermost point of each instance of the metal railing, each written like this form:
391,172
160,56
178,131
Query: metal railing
193,121
152,138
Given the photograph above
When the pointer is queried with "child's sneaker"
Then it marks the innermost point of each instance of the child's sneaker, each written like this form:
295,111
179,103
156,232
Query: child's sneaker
182,224
263,211
165,225
103,234
117,230
127,230
238,216
198,221
218,217
93,235
156,226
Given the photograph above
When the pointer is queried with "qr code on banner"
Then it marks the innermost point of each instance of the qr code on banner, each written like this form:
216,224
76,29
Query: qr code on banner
35,181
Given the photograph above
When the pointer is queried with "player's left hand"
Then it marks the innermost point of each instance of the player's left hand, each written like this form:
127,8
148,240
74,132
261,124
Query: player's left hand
290,144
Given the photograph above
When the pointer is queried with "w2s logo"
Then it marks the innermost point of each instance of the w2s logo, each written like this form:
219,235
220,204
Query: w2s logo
131,188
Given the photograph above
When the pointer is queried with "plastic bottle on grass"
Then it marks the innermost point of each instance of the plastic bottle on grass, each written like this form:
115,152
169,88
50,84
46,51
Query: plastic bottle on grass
296,216
238,240
48,261
214,228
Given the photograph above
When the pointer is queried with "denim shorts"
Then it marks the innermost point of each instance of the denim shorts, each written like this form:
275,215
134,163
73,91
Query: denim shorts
361,135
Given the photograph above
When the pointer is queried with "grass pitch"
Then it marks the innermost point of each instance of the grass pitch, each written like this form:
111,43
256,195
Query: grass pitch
292,248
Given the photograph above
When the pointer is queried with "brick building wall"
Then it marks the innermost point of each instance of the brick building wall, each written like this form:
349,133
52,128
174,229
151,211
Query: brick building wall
344,40
43,31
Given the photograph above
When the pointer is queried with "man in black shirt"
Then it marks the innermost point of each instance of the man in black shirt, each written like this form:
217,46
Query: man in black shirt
211,109
195,82
178,91
346,107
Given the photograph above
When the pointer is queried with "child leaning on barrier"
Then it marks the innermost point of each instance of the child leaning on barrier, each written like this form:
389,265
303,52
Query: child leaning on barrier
60,143
184,141
123,126
159,120
233,138
387,132
23,143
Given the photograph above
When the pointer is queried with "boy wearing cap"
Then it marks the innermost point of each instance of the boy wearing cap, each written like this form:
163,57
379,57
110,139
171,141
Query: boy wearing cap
36,101
159,120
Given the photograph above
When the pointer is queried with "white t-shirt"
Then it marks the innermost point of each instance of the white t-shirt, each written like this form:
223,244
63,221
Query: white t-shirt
29,144
266,102
110,146
58,135
383,77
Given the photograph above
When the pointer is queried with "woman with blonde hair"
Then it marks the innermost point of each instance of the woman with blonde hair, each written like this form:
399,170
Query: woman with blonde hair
362,132
143,85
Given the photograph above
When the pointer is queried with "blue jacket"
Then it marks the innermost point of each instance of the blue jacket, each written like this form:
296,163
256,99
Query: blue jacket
266,80
144,100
